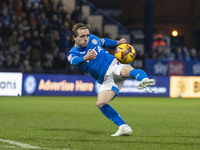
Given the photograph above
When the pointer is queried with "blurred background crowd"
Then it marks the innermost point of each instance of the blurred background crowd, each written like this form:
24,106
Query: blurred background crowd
35,37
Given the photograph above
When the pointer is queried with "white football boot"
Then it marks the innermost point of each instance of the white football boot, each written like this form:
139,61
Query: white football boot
124,130
146,82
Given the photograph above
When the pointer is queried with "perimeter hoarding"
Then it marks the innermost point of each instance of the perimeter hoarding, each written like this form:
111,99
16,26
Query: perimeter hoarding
192,68
58,85
10,84
187,87
172,68
80,85
160,89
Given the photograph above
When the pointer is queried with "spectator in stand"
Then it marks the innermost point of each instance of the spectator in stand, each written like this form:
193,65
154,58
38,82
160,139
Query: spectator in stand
11,51
25,27
5,16
12,40
3,46
55,38
186,54
55,52
23,45
17,6
1,32
159,48
6,31
36,53
16,62
42,31
38,68
60,63
193,54
42,20
28,38
158,42
2,58
64,37
19,27
32,19
162,53
8,62
55,23
40,9
179,54
35,36
25,66
65,16
48,63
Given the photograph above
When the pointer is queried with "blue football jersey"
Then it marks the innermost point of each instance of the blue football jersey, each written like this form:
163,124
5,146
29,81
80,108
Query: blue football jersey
98,67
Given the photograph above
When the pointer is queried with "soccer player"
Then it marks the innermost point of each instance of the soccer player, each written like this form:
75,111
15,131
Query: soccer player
89,54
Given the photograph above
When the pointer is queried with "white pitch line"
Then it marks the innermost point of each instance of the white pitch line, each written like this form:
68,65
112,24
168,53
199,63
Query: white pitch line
19,144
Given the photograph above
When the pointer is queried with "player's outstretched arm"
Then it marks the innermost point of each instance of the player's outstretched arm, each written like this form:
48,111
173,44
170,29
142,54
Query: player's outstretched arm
121,41
112,43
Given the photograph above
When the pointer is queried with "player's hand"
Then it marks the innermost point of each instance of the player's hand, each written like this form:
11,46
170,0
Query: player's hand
121,41
91,54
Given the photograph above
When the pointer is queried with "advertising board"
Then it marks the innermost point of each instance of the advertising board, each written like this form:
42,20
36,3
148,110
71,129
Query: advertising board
80,85
185,86
10,84
156,67
160,89
58,85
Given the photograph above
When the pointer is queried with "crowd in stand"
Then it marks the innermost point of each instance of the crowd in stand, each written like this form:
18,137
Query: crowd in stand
35,37
180,52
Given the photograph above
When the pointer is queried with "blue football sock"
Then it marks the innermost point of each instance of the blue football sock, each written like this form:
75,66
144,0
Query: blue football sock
138,74
111,114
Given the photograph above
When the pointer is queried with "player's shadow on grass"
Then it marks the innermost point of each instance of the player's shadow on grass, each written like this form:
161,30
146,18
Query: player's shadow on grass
77,130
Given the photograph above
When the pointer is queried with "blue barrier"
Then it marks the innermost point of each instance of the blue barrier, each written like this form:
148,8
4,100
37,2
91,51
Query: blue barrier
161,88
80,85
192,68
58,85
170,68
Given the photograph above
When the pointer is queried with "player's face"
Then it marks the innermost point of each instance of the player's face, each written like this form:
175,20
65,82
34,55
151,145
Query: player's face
82,38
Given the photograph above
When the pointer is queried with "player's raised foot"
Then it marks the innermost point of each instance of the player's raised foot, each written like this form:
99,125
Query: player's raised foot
146,82
124,130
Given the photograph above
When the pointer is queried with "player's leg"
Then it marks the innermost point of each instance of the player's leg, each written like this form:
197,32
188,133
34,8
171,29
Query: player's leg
129,72
104,97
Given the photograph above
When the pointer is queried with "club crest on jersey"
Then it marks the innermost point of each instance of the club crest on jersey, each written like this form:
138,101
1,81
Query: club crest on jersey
94,41
82,52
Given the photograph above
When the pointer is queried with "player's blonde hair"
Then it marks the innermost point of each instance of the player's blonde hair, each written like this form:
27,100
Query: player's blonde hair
76,27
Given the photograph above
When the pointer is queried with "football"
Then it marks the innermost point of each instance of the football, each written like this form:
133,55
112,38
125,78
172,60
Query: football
125,53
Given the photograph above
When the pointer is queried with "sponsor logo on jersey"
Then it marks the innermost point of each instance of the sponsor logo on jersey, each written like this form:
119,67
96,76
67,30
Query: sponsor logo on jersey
94,41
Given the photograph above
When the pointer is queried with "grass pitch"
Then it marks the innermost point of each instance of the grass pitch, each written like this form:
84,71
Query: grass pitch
74,123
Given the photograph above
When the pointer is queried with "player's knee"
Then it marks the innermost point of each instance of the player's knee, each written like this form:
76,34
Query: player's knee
126,70
100,104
